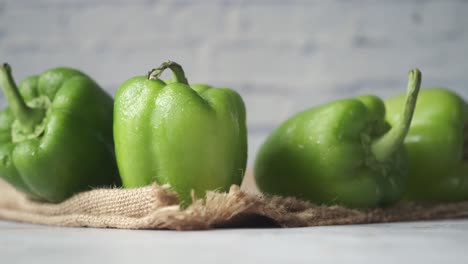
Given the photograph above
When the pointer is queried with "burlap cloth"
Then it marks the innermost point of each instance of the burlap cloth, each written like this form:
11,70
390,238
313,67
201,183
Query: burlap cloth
155,207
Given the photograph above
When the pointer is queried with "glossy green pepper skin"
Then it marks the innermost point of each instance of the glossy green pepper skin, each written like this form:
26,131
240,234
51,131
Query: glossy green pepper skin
342,153
437,145
56,134
192,137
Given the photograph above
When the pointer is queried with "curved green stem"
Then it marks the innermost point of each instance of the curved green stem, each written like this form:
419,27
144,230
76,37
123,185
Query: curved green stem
178,72
386,145
28,117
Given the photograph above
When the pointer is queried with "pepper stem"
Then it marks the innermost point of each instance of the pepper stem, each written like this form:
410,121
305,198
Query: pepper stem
386,145
178,72
28,117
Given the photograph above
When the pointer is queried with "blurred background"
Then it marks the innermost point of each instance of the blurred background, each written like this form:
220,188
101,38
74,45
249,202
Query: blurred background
281,56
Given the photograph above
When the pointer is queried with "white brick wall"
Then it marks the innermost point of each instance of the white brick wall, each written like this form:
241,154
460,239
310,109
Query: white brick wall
282,56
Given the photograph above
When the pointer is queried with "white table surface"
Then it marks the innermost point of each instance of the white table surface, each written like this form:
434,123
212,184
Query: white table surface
396,243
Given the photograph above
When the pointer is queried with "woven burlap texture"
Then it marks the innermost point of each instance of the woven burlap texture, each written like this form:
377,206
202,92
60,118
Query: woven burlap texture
155,207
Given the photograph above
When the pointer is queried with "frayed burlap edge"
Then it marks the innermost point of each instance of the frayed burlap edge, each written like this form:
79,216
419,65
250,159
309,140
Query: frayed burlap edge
156,207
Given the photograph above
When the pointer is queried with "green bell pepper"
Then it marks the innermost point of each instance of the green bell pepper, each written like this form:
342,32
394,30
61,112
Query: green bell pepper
343,153
437,145
56,134
192,137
